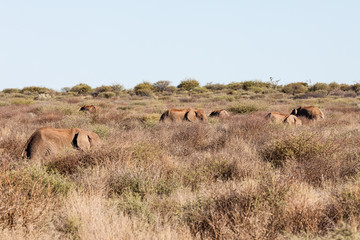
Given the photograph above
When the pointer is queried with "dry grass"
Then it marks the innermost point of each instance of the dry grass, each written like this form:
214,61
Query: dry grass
238,178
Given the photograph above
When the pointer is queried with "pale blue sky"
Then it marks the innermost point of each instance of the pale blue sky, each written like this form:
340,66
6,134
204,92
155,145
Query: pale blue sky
62,43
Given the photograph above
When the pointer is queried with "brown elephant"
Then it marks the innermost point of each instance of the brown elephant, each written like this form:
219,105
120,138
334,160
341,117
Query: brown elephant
221,113
89,108
310,112
47,141
292,120
188,114
277,117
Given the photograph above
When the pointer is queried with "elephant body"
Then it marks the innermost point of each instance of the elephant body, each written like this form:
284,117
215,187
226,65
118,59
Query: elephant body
277,117
220,113
188,114
47,141
89,108
310,112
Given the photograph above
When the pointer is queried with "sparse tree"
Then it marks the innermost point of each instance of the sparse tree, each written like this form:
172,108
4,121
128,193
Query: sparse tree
161,86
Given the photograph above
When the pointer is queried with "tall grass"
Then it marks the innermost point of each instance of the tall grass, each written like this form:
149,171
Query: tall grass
238,178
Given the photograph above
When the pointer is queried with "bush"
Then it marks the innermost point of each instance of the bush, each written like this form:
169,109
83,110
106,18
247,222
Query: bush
107,94
319,87
215,87
189,84
295,88
11,90
144,89
144,92
27,194
244,108
200,90
255,89
296,147
248,85
36,90
344,87
235,86
21,101
334,85
81,89
161,86
356,88
151,120
109,90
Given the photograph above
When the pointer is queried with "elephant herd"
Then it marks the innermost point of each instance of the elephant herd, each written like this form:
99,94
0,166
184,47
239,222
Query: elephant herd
48,141
309,112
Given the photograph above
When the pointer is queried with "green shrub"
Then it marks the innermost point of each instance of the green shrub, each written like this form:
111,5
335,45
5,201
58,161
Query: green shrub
244,108
144,89
21,101
144,92
235,86
215,87
133,204
107,94
334,85
130,184
200,90
102,130
248,85
296,147
295,88
2,103
146,153
356,88
255,89
81,89
11,90
319,87
36,90
344,87
189,84
151,120
58,183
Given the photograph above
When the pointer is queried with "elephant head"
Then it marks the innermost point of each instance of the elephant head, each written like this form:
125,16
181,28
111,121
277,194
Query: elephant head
292,120
294,111
196,115
85,140
89,108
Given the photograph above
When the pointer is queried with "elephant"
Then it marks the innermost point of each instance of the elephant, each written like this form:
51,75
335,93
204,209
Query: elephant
277,117
47,141
221,113
188,114
89,108
292,120
310,112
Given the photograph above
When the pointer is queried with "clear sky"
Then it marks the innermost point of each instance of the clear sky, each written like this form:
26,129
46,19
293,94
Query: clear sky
59,44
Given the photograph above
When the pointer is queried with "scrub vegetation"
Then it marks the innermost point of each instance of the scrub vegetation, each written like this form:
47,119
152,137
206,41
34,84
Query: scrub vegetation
235,178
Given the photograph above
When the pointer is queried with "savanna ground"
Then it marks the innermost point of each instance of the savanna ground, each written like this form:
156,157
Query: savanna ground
240,178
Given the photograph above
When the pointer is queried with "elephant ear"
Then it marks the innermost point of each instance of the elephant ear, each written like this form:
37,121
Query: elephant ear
191,116
200,114
82,140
